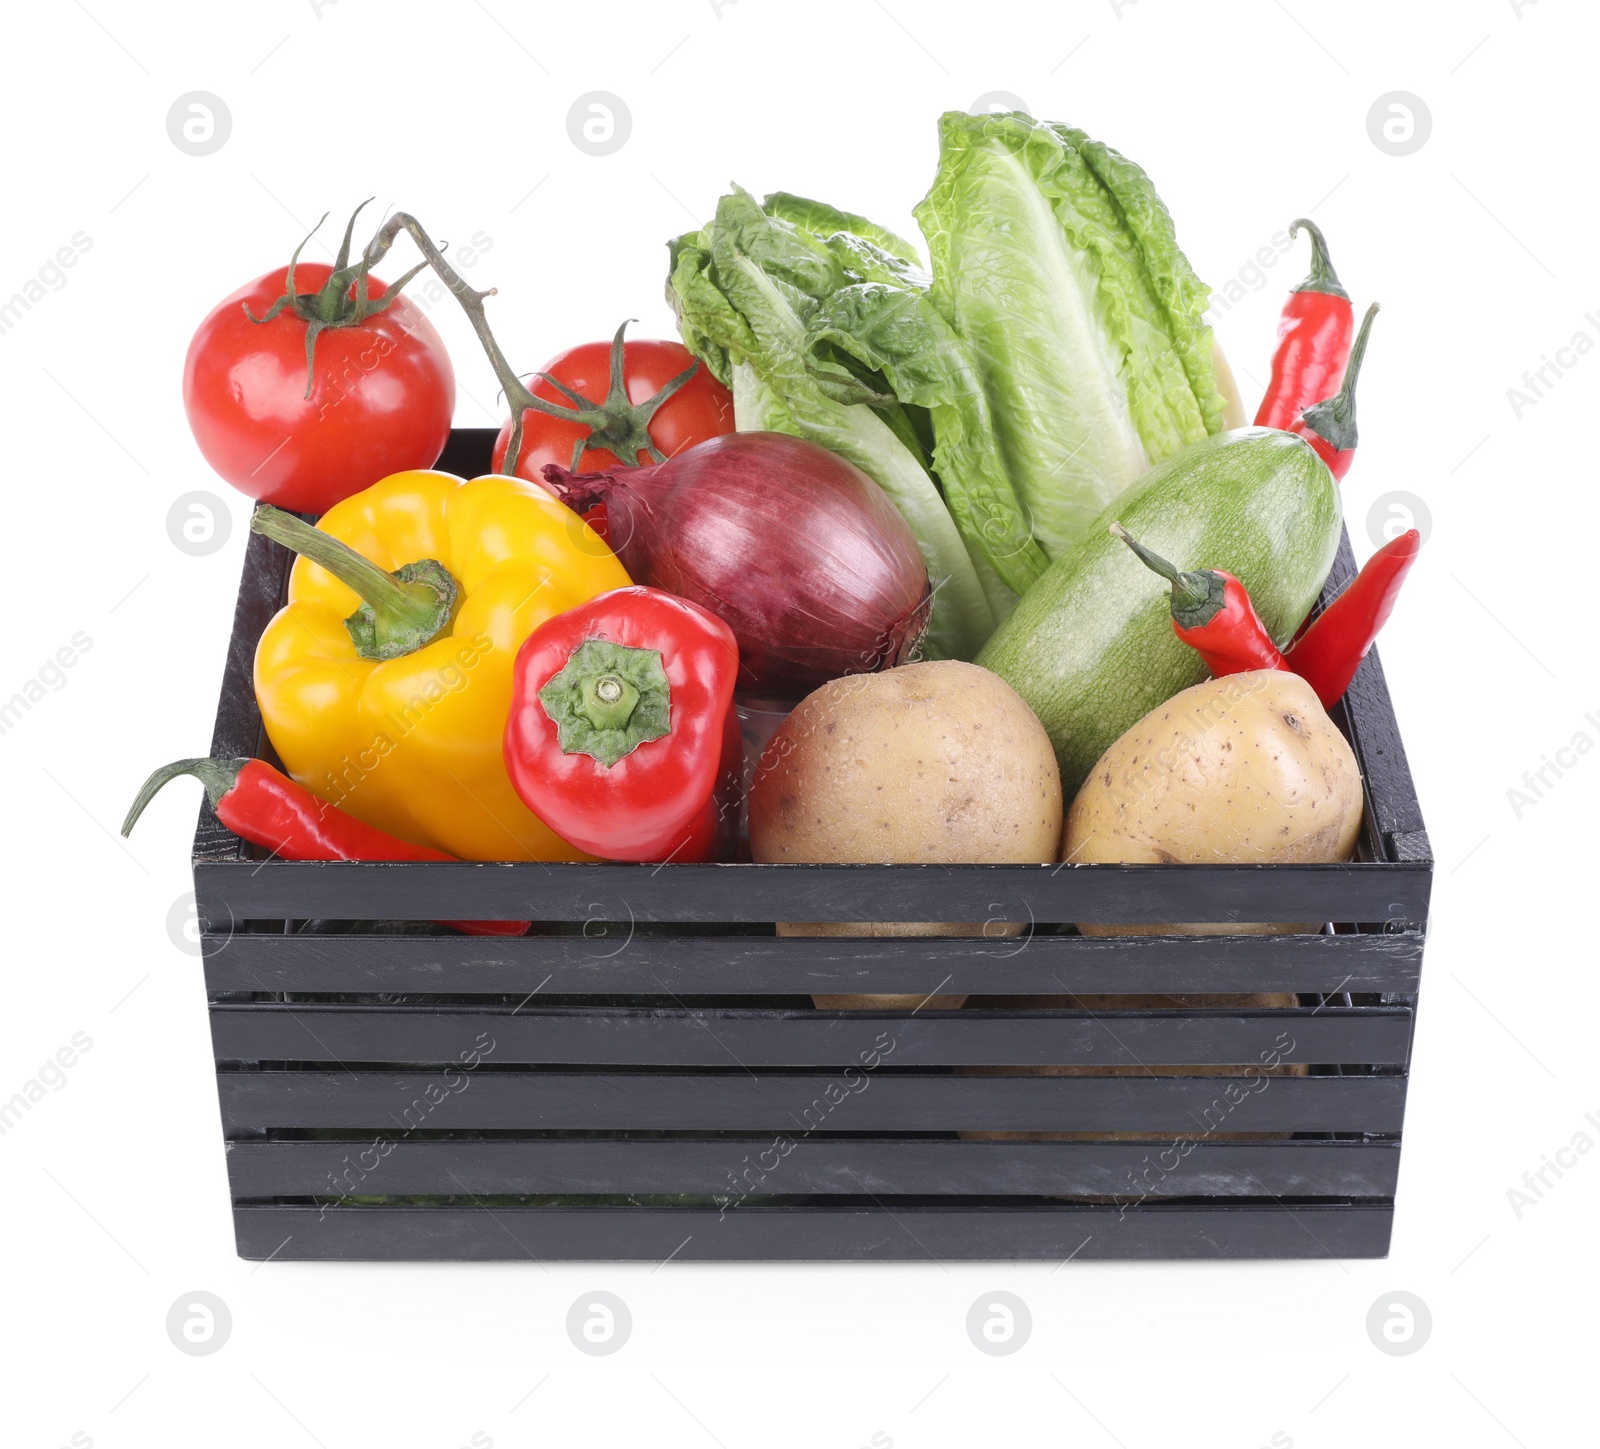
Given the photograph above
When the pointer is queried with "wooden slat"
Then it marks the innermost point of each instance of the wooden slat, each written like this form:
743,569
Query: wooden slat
637,963
844,1234
884,1166
237,730
586,1036
230,891
782,1102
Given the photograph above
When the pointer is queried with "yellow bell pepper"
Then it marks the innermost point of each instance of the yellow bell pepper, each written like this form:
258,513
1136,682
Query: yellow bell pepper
385,680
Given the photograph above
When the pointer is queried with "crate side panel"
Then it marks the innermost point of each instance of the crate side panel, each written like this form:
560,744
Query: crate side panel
393,890
636,963
237,731
317,1032
813,1234
784,1102
735,1166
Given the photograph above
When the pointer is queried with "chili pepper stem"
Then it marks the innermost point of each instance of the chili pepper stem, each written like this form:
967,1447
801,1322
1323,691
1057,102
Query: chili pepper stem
402,611
218,776
1335,418
1322,277
1191,589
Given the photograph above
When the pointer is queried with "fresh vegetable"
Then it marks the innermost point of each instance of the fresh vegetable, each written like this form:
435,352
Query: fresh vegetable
1244,770
617,404
313,382
1313,340
621,726
1232,403
1091,647
1337,640
935,762
1056,263
1056,351
386,692
1330,426
796,550
1212,614
265,807
807,312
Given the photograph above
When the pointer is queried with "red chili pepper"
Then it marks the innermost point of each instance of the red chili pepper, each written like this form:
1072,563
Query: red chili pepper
1313,340
1337,640
267,808
1330,426
1212,614
622,725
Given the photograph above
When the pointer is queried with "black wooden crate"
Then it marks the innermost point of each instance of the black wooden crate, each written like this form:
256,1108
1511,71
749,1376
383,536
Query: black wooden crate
659,1084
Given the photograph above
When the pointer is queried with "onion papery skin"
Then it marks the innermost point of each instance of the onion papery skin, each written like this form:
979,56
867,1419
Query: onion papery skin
797,550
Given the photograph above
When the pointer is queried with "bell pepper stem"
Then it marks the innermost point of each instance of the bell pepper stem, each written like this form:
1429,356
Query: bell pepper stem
402,610
218,776
608,700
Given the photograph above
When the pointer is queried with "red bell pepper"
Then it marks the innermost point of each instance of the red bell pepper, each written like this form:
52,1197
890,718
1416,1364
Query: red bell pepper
267,808
1212,614
622,726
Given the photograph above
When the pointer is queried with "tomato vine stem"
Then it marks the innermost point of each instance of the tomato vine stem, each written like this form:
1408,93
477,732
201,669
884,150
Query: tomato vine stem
618,424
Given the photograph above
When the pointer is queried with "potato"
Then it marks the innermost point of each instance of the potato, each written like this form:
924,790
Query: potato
1243,770
937,763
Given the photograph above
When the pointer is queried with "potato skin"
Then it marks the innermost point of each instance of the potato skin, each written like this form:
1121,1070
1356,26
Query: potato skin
1243,770
938,763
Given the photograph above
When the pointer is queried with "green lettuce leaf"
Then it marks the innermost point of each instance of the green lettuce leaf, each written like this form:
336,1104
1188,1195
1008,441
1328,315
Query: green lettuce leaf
1057,267
822,220
898,333
746,289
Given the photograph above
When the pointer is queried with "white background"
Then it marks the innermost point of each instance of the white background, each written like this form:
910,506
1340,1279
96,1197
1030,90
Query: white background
1480,245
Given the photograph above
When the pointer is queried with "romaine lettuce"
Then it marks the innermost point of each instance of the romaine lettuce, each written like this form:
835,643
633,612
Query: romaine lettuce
1056,265
1055,352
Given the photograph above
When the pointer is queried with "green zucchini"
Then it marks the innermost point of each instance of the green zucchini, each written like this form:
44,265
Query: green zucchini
1090,646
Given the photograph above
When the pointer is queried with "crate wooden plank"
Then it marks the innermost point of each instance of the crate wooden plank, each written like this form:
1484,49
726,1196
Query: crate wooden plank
815,1234
229,891
783,1102
586,1036
237,730
884,1166
633,962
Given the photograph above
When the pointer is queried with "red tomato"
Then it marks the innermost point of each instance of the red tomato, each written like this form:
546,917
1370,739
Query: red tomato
380,403
702,408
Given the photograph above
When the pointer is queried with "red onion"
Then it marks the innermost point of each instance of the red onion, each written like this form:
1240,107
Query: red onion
799,552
